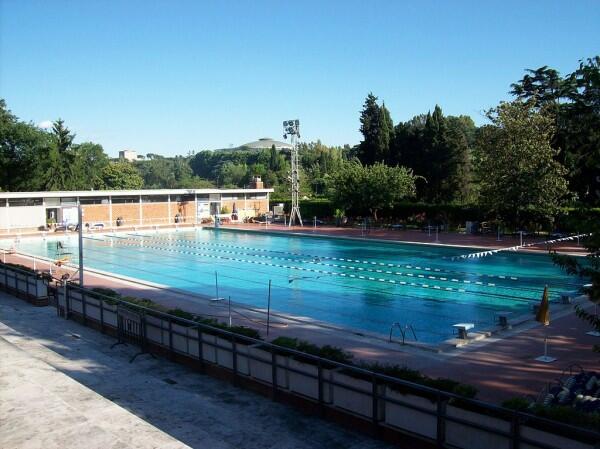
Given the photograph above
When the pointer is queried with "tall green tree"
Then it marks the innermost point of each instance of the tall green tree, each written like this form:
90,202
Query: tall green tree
574,103
59,160
377,129
520,180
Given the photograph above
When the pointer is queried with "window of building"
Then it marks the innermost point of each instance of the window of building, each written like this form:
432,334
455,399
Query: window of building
183,198
125,199
257,196
202,197
20,202
229,196
94,200
155,198
70,201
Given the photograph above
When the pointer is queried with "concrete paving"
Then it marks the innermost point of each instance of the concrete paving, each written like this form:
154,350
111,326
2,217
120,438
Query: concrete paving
62,386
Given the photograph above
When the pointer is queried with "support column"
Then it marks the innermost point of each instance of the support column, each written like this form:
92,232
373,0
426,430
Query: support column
141,215
169,213
110,214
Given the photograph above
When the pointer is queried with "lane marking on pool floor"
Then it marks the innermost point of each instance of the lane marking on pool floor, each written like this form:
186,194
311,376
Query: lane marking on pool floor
310,256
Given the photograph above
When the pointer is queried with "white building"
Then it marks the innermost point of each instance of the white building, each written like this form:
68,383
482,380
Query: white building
128,155
31,211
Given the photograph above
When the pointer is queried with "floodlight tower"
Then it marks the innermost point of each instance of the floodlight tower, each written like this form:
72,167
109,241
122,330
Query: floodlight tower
292,128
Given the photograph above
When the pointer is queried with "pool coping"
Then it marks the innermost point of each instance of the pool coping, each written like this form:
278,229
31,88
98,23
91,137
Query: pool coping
378,240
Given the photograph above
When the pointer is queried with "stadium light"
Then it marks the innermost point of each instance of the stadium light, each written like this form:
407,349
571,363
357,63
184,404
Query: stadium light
292,128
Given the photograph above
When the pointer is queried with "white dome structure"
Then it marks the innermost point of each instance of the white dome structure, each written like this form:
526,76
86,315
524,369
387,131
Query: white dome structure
265,143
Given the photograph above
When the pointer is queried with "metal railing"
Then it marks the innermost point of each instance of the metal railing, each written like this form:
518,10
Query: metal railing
436,417
23,282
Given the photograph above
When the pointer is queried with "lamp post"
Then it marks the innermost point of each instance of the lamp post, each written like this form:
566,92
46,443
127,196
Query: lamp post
292,128
80,221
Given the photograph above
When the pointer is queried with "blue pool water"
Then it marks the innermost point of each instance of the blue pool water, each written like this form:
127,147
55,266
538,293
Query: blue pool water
362,285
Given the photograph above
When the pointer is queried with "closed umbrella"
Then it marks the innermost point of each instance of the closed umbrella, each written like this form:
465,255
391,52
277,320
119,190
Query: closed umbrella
543,316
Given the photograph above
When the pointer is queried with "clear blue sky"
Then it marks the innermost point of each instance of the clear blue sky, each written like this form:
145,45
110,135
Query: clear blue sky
173,76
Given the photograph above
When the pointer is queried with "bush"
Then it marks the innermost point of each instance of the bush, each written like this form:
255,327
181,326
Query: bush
410,375
518,404
327,352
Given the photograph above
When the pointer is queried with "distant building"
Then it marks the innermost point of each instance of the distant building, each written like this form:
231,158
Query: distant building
264,143
128,155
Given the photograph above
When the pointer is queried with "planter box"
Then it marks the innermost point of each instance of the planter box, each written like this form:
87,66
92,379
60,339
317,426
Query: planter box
224,357
209,351
409,419
262,369
41,288
110,314
92,309
154,333
179,339
355,401
468,437
551,440
307,385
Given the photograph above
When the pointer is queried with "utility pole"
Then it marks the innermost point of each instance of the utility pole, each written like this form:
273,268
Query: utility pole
292,128
80,221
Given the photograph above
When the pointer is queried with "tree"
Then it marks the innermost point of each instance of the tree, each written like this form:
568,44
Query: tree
574,102
121,175
519,178
21,145
90,160
370,188
438,149
589,270
59,160
377,130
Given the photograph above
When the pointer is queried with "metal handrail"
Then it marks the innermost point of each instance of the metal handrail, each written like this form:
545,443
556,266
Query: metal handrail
403,330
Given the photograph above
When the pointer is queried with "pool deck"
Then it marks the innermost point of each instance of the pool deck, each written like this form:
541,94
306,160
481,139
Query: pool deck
63,386
501,366
483,241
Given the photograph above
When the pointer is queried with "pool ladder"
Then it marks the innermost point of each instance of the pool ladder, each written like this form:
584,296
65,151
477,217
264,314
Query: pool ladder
403,331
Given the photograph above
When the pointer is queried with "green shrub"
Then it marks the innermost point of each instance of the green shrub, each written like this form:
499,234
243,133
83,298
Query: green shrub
327,352
106,292
568,415
181,314
414,376
518,404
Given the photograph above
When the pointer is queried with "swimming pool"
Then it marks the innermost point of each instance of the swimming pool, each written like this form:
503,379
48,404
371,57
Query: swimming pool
358,284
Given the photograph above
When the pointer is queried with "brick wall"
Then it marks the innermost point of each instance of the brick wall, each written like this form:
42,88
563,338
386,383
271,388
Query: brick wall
129,211
156,213
187,210
96,213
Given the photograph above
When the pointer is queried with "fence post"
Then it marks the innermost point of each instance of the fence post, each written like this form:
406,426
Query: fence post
375,396
273,373
66,299
27,294
101,304
171,355
441,421
234,361
83,307
515,432
320,382
201,351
